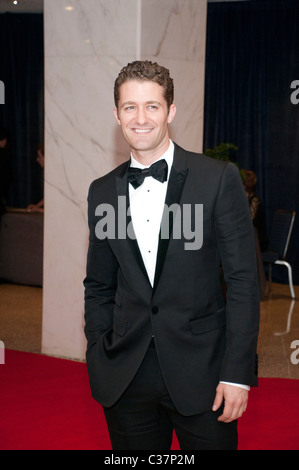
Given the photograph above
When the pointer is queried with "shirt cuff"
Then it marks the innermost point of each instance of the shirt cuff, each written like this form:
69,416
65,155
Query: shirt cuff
236,385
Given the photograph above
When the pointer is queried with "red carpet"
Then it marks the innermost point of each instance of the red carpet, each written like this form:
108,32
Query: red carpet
45,404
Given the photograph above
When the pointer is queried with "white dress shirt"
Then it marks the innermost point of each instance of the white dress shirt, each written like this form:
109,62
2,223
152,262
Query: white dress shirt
146,205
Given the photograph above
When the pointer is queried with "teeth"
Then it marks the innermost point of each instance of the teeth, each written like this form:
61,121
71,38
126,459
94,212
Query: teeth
142,130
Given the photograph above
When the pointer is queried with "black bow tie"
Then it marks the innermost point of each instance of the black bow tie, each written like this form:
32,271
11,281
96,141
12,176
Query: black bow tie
157,170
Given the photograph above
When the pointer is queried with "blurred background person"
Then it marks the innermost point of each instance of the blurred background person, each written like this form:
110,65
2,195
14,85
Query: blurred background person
5,168
39,207
256,208
259,223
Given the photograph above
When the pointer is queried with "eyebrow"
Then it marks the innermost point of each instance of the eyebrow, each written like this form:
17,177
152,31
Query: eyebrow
128,103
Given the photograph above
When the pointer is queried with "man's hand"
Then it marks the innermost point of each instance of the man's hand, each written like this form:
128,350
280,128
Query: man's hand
235,401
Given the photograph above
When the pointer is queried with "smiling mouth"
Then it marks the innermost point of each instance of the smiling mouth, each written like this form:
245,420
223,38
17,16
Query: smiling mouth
141,131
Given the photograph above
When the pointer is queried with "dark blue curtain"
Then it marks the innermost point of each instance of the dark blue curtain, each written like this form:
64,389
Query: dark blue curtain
251,61
22,71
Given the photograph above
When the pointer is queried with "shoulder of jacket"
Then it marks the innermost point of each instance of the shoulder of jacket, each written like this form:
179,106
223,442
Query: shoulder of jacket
106,179
201,161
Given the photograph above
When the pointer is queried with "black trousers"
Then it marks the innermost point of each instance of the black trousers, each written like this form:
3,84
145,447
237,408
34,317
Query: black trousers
144,417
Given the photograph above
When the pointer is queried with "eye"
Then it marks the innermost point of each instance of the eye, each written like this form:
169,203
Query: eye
129,108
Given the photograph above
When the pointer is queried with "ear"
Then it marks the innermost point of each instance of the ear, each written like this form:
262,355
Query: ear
171,113
116,115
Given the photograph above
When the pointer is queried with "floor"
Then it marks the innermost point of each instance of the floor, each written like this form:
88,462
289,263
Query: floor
21,317
279,328
21,326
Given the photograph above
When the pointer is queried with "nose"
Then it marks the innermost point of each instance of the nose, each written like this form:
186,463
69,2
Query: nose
141,116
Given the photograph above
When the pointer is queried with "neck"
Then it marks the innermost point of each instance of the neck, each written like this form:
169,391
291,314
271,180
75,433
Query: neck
147,157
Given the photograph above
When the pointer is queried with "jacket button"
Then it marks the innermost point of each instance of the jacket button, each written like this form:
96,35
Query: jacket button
155,310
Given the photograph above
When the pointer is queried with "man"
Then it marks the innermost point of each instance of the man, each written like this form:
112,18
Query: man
5,168
39,206
164,350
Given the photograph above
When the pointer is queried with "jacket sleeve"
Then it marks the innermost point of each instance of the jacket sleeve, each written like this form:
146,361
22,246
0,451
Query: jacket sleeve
235,238
100,281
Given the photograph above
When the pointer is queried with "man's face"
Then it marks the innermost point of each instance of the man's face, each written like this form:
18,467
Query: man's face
3,143
143,116
40,159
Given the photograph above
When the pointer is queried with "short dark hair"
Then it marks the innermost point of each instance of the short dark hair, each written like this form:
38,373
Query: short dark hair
145,70
4,134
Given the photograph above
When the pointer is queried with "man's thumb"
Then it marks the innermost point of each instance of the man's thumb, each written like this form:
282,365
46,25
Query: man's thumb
218,398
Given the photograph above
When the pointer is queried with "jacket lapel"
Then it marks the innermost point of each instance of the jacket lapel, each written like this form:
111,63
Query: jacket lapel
122,191
175,187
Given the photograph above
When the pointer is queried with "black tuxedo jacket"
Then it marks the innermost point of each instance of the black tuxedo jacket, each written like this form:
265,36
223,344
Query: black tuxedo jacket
200,338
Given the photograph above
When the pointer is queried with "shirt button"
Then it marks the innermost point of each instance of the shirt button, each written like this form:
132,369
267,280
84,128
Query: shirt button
155,310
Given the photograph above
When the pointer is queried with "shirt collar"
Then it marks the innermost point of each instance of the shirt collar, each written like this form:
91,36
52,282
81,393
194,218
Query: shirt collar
168,156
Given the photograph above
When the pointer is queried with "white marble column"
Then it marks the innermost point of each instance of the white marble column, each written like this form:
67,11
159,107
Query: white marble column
86,44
